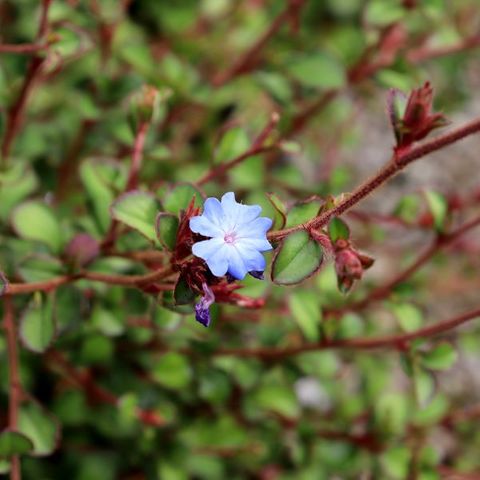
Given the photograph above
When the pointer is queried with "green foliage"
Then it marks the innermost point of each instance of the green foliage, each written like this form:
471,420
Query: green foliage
297,258
116,378
137,210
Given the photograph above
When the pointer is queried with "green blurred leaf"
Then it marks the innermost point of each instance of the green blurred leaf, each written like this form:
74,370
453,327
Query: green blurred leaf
14,443
34,220
172,370
233,143
41,427
441,357
305,308
302,212
166,226
17,183
317,70
338,229
180,197
297,258
409,316
138,210
37,325
438,206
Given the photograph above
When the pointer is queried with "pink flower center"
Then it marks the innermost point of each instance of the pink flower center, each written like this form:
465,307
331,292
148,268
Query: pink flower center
229,237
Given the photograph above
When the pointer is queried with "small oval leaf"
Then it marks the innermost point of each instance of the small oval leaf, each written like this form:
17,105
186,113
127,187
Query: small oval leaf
166,227
37,326
338,230
14,443
297,258
138,210
35,221
41,427
180,197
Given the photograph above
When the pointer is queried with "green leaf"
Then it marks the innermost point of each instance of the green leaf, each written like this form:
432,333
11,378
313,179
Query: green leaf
37,325
233,143
35,221
180,197
276,85
391,412
438,206
305,308
166,227
182,294
338,229
14,443
409,316
408,208
302,212
297,258
38,268
98,179
16,184
138,210
317,70
280,211
108,321
441,357
277,398
396,461
41,427
424,386
172,371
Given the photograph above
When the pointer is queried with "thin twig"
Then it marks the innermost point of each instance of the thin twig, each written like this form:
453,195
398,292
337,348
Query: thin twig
15,392
397,162
399,341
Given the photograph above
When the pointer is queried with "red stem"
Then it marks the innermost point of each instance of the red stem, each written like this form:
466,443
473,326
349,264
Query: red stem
249,59
385,290
15,392
396,164
124,280
356,343
96,392
137,156
16,111
26,48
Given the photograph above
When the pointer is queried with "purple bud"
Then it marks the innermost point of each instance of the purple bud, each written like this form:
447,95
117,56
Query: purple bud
258,274
202,308
82,249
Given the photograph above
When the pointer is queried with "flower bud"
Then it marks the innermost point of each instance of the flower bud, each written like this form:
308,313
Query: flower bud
81,250
413,119
349,265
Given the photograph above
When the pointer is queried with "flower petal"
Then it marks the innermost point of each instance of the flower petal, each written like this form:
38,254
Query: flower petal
236,213
202,225
255,229
212,209
260,244
236,264
252,258
207,248
218,263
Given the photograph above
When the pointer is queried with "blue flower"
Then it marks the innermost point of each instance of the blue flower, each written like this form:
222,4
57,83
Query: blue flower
238,236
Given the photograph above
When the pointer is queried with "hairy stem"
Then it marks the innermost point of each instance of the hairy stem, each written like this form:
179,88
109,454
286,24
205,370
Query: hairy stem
396,163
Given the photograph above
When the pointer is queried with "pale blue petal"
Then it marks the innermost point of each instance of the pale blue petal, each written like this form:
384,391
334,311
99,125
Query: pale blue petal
205,227
236,265
207,248
256,229
252,258
218,263
260,244
237,214
212,209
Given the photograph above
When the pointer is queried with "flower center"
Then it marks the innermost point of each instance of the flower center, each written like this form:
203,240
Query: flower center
229,237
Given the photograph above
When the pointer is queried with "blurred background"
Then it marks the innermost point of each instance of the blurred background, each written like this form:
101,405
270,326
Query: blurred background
132,387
